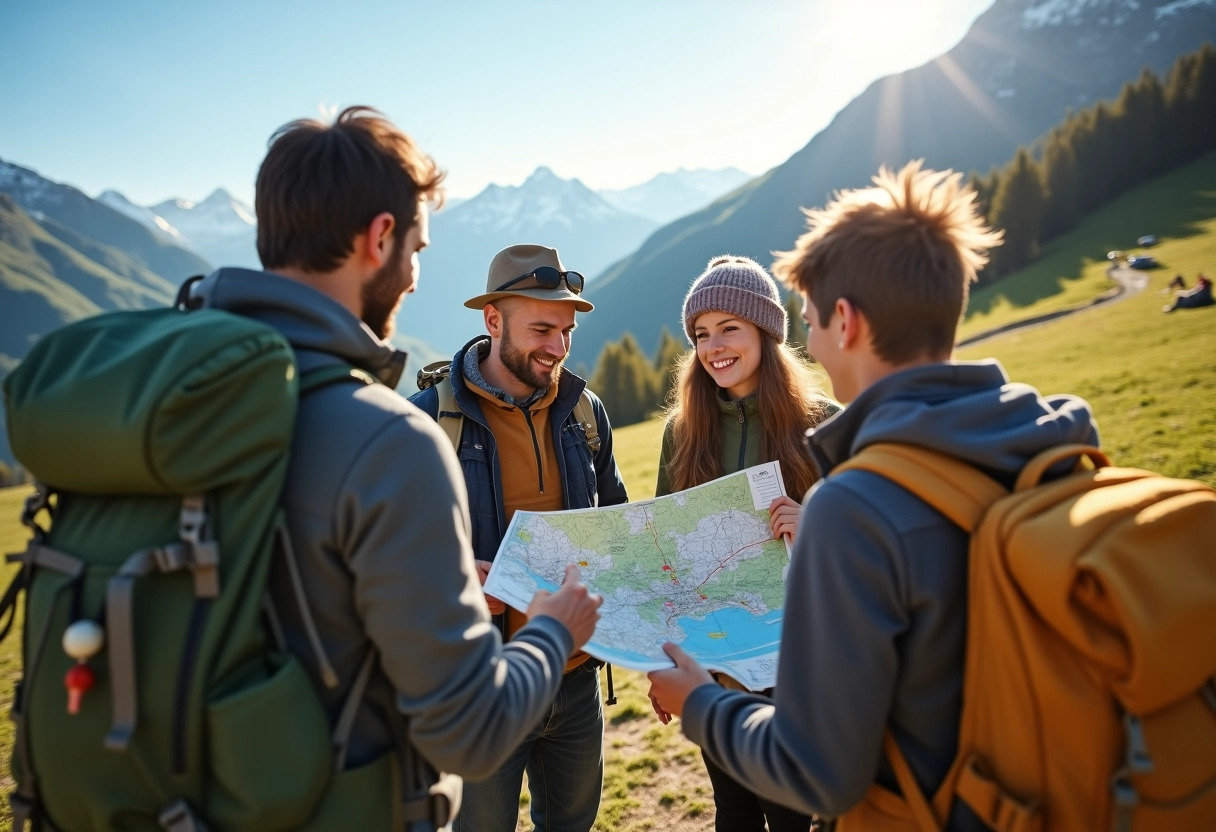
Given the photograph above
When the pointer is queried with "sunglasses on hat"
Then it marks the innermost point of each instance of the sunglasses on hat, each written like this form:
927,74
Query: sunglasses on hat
547,277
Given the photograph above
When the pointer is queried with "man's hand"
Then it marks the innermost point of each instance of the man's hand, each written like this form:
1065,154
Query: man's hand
483,571
573,605
783,514
669,689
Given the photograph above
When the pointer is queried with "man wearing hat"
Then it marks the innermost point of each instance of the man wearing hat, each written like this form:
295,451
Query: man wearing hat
531,436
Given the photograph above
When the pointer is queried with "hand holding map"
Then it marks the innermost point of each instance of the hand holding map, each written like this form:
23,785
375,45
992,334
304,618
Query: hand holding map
699,568
573,605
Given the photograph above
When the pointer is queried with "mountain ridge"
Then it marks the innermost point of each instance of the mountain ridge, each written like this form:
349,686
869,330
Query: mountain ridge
1013,76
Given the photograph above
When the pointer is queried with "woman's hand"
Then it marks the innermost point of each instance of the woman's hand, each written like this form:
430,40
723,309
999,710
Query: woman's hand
783,516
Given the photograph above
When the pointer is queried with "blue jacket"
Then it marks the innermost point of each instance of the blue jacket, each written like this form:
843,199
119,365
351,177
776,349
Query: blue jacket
588,479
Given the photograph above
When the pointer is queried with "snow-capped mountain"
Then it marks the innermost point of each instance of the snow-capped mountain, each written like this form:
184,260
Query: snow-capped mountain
543,201
221,228
1022,66
46,200
669,196
141,214
588,232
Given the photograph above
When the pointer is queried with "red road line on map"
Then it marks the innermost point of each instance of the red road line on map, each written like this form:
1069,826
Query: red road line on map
727,560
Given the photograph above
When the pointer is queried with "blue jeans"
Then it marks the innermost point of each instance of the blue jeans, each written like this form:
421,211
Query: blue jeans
564,758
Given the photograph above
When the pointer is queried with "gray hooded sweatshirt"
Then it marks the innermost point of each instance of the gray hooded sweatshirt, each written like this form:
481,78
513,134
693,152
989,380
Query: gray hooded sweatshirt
876,599
378,515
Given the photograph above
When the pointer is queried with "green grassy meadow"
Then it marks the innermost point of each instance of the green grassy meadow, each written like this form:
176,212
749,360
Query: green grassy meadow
1150,377
1180,208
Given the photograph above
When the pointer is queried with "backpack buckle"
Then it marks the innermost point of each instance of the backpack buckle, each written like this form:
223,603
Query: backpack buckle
37,501
193,519
178,817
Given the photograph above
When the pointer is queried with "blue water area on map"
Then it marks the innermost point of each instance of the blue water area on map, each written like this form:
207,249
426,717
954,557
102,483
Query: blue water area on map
746,634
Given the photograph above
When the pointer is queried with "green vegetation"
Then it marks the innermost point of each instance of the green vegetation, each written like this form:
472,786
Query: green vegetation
1099,153
13,537
1071,271
1150,377
1045,190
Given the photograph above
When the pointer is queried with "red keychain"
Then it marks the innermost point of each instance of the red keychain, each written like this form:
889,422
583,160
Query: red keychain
81,640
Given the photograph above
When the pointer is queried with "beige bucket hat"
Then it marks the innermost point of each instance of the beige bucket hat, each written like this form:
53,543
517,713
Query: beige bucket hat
531,271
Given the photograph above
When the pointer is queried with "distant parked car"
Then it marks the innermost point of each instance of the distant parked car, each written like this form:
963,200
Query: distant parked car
1142,262
1147,240
1115,256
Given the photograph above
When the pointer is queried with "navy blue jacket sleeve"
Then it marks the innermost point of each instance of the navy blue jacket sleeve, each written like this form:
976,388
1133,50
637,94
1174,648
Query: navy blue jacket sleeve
609,484
427,401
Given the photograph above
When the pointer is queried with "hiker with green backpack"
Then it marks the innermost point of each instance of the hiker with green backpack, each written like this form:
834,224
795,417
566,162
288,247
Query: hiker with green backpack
251,597
987,626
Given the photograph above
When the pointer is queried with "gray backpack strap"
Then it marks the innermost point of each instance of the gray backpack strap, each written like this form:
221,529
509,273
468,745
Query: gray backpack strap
440,802
586,417
332,374
350,709
448,414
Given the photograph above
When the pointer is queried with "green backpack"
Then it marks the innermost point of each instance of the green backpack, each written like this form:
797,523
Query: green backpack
160,440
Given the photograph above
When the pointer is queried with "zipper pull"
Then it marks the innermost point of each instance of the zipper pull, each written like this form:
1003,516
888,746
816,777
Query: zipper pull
740,406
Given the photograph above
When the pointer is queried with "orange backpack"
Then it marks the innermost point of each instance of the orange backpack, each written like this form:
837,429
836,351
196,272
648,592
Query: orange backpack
1089,694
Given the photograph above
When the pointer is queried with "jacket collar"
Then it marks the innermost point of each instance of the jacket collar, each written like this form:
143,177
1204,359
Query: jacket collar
317,327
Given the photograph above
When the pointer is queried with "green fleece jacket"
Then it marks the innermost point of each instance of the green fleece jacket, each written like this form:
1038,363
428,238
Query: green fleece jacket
741,440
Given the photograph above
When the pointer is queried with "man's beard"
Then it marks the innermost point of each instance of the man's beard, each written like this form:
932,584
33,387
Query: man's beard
382,295
519,363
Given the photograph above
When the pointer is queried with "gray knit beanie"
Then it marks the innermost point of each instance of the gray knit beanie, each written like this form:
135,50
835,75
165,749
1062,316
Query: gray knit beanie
738,285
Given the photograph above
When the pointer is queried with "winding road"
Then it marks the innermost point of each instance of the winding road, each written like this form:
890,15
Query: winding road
1128,282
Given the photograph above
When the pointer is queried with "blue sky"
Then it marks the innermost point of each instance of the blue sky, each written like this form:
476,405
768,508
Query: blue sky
169,99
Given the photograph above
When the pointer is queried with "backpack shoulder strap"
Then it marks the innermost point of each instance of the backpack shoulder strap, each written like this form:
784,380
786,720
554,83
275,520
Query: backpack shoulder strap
586,416
447,413
958,490
438,374
332,374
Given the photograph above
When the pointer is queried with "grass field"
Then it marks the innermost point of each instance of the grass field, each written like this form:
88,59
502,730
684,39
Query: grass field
1150,377
1071,270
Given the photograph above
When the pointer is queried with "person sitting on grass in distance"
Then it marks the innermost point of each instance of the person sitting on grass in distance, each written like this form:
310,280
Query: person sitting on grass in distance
1195,298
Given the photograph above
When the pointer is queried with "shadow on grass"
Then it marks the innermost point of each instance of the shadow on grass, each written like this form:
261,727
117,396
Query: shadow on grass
1172,206
628,713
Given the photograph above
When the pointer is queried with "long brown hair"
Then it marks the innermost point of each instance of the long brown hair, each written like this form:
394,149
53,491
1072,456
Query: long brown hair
790,400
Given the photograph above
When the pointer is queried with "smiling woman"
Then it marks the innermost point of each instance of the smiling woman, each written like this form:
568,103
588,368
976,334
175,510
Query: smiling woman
742,399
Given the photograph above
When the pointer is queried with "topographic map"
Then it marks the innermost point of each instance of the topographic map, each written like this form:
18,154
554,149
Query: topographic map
698,567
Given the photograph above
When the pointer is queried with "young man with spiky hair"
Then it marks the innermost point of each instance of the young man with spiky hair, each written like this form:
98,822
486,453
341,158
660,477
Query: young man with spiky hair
374,500
875,624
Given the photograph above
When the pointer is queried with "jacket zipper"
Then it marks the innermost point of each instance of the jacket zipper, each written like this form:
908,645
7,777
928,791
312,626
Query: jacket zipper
540,471
743,442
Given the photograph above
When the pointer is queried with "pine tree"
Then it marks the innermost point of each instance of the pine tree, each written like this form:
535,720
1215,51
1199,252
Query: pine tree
984,187
1017,207
796,337
626,381
1061,184
665,359
1097,157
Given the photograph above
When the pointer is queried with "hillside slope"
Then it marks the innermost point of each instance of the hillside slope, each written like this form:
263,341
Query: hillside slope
1016,73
